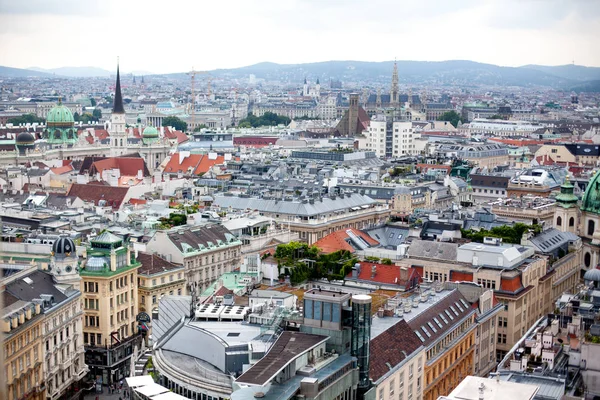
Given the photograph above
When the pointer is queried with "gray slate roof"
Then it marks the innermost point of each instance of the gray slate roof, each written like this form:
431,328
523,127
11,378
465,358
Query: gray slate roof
433,250
294,207
551,239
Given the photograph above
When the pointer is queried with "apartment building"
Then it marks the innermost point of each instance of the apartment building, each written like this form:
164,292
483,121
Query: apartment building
52,349
314,218
110,301
22,323
522,281
157,277
205,252
388,138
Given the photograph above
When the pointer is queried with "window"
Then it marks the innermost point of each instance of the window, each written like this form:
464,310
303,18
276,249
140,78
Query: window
571,221
591,227
558,221
410,371
587,259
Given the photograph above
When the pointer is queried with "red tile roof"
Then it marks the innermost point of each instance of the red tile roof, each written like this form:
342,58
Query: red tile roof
187,165
94,192
206,163
129,166
407,277
337,241
153,264
62,170
137,201
390,348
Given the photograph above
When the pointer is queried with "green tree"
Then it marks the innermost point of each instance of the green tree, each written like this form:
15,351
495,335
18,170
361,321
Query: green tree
175,122
25,119
76,117
199,127
97,113
267,119
93,101
450,116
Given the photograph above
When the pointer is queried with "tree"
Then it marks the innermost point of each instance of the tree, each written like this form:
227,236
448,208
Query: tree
267,119
199,127
175,122
97,113
93,101
450,116
76,117
25,119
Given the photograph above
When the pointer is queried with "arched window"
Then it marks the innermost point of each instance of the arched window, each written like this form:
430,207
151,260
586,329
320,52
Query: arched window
591,227
558,221
121,142
571,221
587,259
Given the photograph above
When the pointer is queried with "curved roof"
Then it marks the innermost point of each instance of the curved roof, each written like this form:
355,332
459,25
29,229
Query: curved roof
566,198
24,138
150,131
64,246
592,275
60,116
591,197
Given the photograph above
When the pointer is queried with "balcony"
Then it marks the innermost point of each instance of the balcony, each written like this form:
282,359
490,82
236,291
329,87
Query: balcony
65,364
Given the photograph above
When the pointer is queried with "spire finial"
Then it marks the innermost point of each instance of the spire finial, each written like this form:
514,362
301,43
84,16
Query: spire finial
60,100
118,103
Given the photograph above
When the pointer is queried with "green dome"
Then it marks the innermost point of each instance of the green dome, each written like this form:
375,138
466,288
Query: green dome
60,116
150,132
591,197
566,198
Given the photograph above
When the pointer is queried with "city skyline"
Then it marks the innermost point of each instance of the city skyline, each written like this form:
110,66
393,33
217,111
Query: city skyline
240,33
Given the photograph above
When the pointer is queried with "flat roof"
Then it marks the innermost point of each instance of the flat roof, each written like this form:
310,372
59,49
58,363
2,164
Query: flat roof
232,332
469,388
286,349
151,389
136,381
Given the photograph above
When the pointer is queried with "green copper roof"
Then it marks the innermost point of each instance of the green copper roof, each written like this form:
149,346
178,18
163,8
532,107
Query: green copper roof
60,116
591,197
150,131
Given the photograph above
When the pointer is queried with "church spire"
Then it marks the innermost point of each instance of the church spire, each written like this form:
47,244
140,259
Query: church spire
394,91
118,103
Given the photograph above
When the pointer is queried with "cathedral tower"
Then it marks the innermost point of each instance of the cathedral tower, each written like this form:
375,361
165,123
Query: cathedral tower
394,95
118,134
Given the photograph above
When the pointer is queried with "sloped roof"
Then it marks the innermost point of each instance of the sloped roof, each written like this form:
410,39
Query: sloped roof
433,250
129,166
340,240
62,170
178,163
294,207
403,342
207,163
388,274
153,264
41,283
93,192
199,236
448,311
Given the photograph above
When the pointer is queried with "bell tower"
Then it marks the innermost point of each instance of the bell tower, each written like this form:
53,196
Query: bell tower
394,95
118,134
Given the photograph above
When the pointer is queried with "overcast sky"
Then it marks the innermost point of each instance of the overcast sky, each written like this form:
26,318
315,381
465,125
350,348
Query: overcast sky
174,35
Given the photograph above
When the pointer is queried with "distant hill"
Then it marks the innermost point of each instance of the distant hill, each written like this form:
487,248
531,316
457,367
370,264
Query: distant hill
589,86
569,71
76,72
21,73
458,72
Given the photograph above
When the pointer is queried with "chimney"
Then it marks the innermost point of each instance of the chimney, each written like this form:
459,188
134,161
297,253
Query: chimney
481,388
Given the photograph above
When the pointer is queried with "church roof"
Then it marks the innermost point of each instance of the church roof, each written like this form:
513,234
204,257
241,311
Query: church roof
591,197
118,104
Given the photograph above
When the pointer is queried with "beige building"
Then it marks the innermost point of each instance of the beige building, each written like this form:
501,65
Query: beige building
206,252
22,323
157,277
521,280
557,152
314,219
110,300
49,354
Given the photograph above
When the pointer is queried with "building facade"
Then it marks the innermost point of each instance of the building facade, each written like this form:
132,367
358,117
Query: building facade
110,299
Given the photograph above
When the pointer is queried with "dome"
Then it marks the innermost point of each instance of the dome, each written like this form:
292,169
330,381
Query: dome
60,116
64,246
591,197
24,138
96,263
566,198
150,132
592,275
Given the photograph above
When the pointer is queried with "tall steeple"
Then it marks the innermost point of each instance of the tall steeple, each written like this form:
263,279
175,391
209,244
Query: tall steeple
394,96
118,103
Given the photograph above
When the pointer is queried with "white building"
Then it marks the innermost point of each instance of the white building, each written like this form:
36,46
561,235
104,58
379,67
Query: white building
391,139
